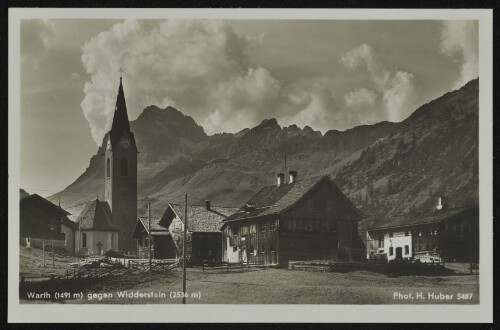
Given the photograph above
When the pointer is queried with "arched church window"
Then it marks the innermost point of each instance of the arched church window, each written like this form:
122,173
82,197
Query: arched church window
108,168
84,240
124,167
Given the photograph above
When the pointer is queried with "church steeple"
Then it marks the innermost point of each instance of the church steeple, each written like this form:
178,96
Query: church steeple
120,169
120,117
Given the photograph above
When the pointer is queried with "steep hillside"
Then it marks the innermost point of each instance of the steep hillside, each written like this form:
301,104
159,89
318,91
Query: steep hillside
434,152
386,168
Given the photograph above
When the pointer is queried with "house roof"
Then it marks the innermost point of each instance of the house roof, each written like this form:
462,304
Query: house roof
428,217
38,200
275,199
96,215
76,210
199,218
156,228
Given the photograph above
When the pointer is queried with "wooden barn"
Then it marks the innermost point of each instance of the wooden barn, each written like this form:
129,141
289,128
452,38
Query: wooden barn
40,219
304,219
162,245
451,234
204,238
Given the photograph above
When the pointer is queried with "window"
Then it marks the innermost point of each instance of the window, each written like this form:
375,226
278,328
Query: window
391,251
407,233
292,225
300,225
263,248
112,240
391,234
454,227
329,205
235,230
447,227
273,226
84,239
310,204
209,253
124,167
272,247
407,250
235,248
381,242
108,168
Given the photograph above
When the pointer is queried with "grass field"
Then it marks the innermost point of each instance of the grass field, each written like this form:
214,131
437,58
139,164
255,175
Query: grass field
259,286
280,286
31,263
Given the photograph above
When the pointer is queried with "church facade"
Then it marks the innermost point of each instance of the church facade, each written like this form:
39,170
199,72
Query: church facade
120,177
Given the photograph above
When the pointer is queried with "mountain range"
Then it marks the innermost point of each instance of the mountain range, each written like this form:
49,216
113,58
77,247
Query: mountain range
386,168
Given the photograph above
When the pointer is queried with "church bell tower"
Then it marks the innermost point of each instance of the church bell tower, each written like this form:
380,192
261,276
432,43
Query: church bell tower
120,173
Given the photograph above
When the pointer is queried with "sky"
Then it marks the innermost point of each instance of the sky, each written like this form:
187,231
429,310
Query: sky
227,75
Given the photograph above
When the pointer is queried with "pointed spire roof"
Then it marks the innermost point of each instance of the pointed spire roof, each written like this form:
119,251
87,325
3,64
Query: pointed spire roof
120,118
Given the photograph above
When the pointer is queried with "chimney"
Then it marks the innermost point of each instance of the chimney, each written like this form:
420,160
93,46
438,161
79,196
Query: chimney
281,179
207,204
293,176
440,204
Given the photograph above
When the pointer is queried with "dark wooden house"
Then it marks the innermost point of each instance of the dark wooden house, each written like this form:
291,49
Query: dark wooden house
450,234
40,219
204,237
300,220
162,245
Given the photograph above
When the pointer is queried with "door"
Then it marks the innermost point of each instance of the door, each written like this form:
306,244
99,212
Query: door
399,253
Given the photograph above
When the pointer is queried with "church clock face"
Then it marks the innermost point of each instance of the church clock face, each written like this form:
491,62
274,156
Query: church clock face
125,143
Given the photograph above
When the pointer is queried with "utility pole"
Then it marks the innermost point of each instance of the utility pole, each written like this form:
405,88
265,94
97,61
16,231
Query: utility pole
53,256
43,253
149,234
184,251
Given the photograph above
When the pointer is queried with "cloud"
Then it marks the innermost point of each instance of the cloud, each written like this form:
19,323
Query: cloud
362,103
37,37
459,40
395,92
199,66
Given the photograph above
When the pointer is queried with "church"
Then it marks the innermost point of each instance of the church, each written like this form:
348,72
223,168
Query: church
108,225
120,177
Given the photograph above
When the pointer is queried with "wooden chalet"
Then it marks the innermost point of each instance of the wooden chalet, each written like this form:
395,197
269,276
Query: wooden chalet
40,219
451,234
300,220
204,238
162,245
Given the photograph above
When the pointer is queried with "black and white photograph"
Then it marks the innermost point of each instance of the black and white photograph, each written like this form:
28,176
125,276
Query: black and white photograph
331,159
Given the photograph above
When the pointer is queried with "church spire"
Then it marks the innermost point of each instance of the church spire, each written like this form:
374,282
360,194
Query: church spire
120,118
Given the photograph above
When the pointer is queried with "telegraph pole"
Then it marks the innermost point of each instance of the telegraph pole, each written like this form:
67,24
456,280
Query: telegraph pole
149,234
43,253
184,251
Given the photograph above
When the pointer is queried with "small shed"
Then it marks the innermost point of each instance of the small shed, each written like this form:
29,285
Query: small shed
162,245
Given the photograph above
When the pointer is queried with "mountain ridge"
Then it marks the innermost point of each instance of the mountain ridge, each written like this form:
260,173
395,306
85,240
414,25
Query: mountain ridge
177,156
